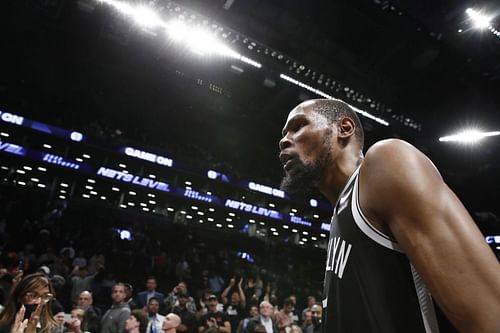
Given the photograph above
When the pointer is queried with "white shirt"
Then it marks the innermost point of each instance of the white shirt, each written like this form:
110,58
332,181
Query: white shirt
157,321
268,324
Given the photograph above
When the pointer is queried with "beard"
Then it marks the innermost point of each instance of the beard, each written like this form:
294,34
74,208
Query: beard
304,178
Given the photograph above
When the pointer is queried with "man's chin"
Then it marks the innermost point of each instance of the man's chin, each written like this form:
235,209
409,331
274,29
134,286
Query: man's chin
296,185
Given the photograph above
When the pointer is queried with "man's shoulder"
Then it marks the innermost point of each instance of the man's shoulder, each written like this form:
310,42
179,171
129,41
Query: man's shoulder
389,150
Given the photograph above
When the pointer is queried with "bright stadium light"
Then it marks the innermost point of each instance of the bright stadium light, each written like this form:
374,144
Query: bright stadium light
177,30
470,136
325,95
202,42
147,18
480,21
198,40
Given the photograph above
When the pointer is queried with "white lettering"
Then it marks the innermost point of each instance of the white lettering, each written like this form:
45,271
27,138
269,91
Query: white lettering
338,254
11,118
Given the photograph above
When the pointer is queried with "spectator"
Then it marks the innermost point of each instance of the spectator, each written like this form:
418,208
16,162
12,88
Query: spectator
137,322
188,317
35,292
311,300
74,325
92,316
317,313
235,308
172,299
284,318
129,291
253,312
214,318
172,321
155,320
114,319
143,297
265,319
307,324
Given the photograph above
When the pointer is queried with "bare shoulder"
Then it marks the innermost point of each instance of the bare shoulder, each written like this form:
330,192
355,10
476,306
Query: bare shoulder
395,171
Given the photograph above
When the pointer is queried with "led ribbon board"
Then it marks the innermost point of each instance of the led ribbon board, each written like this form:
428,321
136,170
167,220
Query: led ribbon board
41,127
49,158
264,189
147,156
136,180
12,148
249,208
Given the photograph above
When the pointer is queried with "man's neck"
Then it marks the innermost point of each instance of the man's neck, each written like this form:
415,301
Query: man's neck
337,174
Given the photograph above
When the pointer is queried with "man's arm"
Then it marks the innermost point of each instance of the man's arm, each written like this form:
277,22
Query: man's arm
243,299
400,189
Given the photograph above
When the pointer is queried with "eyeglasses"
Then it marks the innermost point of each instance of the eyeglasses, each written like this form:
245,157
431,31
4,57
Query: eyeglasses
34,296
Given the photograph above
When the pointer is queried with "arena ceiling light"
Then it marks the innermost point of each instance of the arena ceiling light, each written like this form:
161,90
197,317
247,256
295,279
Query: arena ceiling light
198,40
325,95
470,136
480,21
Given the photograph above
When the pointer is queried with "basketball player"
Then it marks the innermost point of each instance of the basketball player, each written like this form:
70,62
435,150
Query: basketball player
403,250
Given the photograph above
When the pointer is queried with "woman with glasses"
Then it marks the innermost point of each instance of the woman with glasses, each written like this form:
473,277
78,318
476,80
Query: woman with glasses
28,306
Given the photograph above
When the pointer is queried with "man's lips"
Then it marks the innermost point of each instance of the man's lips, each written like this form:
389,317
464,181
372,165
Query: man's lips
287,160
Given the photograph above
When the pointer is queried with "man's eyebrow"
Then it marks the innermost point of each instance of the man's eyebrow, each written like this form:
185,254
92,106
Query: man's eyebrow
294,118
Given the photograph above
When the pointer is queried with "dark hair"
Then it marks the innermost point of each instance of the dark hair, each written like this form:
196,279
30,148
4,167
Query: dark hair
27,284
142,319
287,301
154,299
334,110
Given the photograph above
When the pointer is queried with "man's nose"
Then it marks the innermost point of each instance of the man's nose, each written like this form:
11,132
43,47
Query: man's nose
285,142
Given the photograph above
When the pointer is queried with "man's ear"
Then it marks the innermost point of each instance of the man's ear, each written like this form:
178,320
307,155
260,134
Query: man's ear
346,127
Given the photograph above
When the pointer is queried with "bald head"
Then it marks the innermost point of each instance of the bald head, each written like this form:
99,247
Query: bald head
172,321
85,300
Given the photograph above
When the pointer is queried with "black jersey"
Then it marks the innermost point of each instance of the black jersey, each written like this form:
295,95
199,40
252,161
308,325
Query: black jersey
370,285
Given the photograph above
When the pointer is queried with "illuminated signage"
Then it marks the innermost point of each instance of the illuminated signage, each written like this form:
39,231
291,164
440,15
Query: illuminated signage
325,226
11,118
266,189
129,178
12,148
144,155
212,174
60,161
244,207
197,196
299,220
492,239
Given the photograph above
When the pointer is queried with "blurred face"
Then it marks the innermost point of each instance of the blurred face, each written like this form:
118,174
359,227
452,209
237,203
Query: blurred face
304,148
235,298
308,316
153,307
266,309
212,304
41,295
59,317
77,314
183,301
84,300
311,301
182,287
151,284
254,311
317,311
118,294
171,321
131,323
288,308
